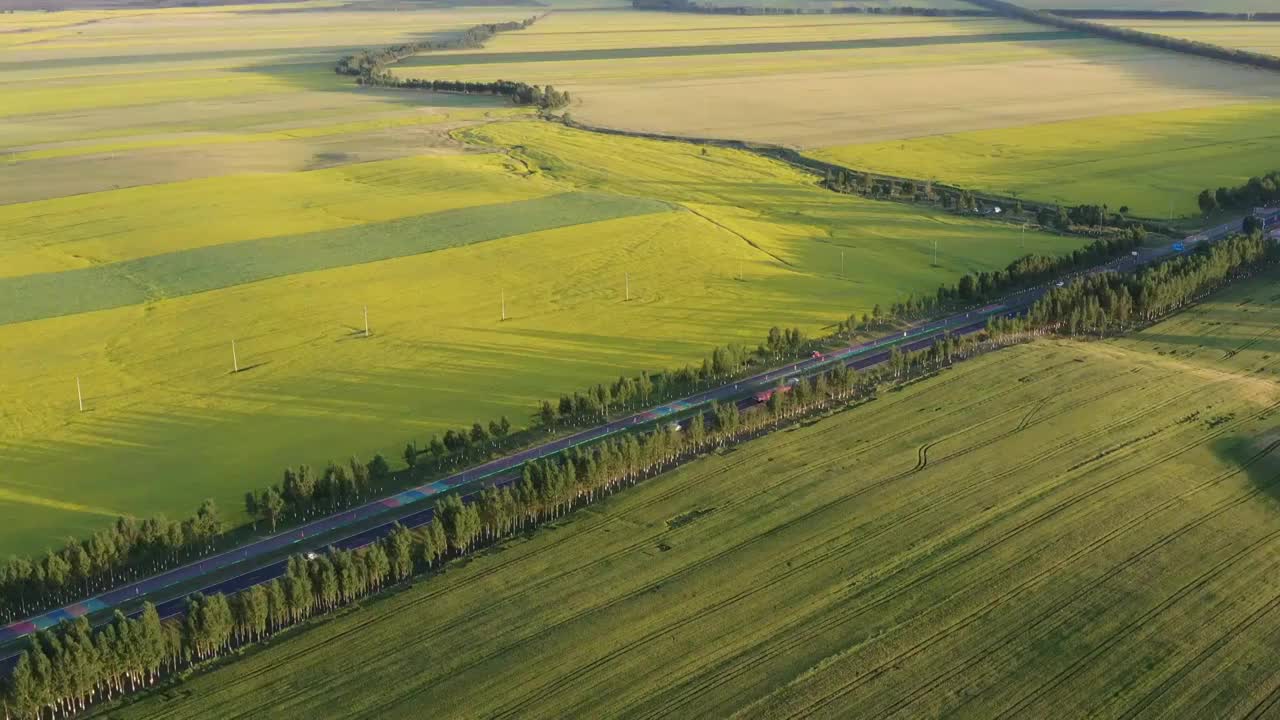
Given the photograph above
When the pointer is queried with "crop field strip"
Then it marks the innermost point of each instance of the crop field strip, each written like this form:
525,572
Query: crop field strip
493,58
1113,453
131,282
1262,37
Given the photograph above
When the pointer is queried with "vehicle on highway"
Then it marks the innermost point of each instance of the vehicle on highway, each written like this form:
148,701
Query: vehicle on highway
764,395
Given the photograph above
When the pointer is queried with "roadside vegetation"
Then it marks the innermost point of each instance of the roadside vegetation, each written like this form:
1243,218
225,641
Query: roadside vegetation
552,487
973,532
759,244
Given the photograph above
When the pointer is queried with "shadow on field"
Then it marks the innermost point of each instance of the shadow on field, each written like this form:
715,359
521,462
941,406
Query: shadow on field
1257,456
313,71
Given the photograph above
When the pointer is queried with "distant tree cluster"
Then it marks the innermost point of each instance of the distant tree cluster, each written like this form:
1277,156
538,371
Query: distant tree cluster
127,550
1256,192
1115,32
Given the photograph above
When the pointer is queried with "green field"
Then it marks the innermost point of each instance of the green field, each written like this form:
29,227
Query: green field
162,278
1058,525
1155,162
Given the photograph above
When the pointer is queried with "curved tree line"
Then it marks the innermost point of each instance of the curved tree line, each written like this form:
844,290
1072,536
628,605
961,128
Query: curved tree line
370,68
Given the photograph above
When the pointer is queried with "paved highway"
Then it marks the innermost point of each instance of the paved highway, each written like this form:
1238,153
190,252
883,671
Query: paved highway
406,507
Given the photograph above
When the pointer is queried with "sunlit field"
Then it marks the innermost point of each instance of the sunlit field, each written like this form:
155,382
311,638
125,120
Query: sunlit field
1154,163
1079,527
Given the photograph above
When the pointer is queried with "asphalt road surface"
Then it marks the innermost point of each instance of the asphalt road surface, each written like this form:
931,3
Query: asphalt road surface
407,509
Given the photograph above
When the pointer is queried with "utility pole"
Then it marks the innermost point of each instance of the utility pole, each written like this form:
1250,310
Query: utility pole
841,263
503,294
366,321
935,252
626,279
739,270
79,397
235,362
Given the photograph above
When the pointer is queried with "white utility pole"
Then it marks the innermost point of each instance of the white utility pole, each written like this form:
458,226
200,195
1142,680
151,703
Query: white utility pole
366,321
626,279
841,263
503,294
235,362
79,397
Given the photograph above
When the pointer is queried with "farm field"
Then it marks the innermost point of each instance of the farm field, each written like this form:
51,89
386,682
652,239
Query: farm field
141,291
103,100
1155,163
1261,37
819,81
1057,527
1234,6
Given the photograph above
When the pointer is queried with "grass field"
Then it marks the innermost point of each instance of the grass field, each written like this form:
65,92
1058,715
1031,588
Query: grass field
817,81
1055,529
156,374
1153,162
1262,37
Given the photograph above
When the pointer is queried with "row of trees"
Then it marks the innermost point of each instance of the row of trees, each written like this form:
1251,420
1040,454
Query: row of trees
1114,302
1256,192
520,93
1115,32
1024,272
71,667
131,549
304,493
722,364
1078,217
370,68
370,62
117,554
